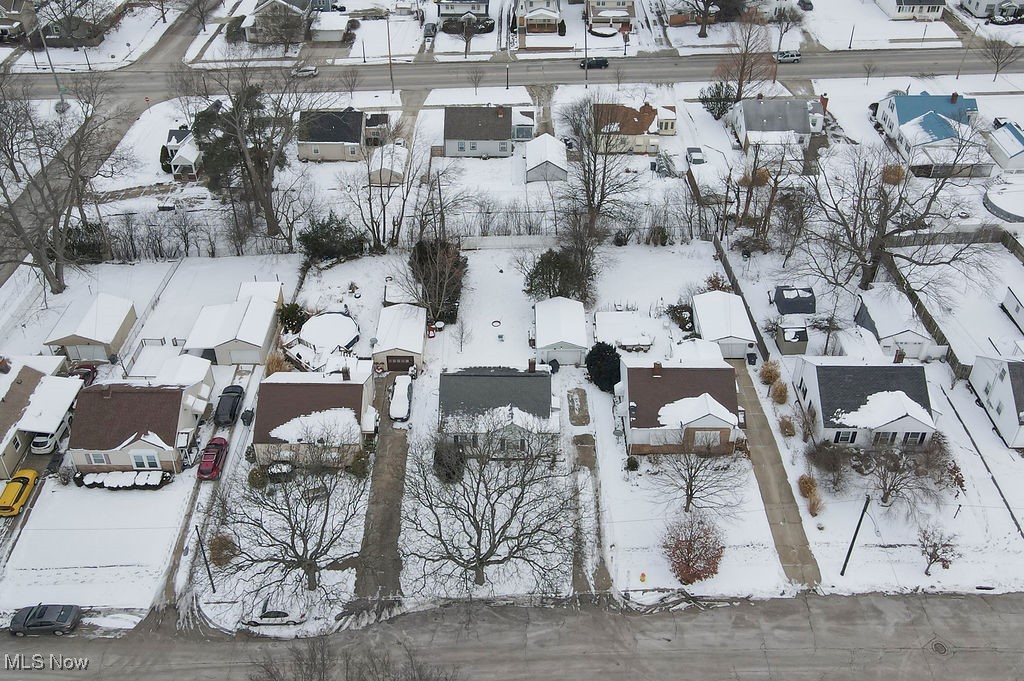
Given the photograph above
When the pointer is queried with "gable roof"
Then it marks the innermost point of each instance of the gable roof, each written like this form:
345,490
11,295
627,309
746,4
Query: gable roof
794,300
617,119
177,135
109,415
779,115
295,5
16,388
845,389
932,127
244,320
688,409
100,323
188,153
478,390
401,327
264,290
389,157
331,126
909,107
722,315
546,149
650,393
285,396
560,320
889,312
477,123
1009,139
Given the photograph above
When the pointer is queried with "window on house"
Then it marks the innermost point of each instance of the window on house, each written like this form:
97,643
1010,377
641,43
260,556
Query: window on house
145,461
455,439
462,146
1016,307
316,151
501,445
522,444
351,151
17,443
988,387
472,146
502,146
914,438
1002,374
97,459
883,438
999,408
845,436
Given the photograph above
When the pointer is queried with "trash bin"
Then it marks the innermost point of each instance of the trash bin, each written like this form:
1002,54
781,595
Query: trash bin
751,358
247,418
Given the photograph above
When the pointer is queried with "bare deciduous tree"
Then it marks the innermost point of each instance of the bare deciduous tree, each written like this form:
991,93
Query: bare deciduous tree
462,333
315,660
198,9
911,476
938,547
508,513
700,8
467,34
475,76
1000,53
869,70
748,62
350,79
700,481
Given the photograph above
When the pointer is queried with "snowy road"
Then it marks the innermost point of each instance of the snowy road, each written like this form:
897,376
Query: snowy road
810,637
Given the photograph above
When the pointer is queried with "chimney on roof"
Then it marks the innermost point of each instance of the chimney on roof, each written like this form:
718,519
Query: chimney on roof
953,97
5,365
106,392
532,366
656,370
346,373
824,103
647,108
501,112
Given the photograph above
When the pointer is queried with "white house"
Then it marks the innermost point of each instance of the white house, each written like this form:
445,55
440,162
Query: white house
722,318
561,331
1006,145
991,8
865,404
538,16
97,334
1013,305
328,27
546,159
278,21
999,384
887,313
900,10
400,330
241,332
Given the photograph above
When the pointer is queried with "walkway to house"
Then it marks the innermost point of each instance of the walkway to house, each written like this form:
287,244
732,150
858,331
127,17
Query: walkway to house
776,493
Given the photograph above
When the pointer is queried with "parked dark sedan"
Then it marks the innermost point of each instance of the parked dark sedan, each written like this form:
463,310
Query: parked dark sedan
212,459
229,405
46,619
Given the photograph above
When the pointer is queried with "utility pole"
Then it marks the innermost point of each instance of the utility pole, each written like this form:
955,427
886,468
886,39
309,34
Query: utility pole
62,106
206,561
586,60
506,76
863,511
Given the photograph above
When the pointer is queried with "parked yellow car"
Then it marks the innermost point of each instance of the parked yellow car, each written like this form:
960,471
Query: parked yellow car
17,491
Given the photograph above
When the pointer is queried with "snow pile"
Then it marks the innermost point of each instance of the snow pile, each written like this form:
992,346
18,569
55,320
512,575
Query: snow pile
882,408
341,423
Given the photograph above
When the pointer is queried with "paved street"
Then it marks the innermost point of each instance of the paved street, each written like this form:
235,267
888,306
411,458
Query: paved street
809,638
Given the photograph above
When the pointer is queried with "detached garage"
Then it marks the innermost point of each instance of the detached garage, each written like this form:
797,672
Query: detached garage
241,332
99,333
400,330
560,331
721,318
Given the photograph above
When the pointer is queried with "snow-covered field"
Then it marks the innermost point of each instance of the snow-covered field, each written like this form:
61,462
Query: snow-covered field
862,25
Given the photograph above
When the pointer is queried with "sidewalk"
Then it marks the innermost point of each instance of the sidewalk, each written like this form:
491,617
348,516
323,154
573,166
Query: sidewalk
776,493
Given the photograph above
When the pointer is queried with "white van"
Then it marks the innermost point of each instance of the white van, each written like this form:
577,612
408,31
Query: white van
401,395
788,57
44,443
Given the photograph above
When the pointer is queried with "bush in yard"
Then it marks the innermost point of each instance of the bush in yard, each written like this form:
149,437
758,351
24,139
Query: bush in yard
694,548
832,460
258,478
234,33
814,504
554,274
331,238
222,550
717,99
276,362
292,316
65,474
808,485
786,426
769,372
561,28
716,282
603,364
682,315
780,392
360,466
937,547
165,159
632,464
449,462
893,174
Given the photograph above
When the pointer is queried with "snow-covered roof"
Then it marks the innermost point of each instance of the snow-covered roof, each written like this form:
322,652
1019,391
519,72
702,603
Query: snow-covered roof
933,127
330,21
722,315
689,409
48,403
779,137
542,12
330,330
667,113
340,424
1009,139
44,364
243,320
401,327
858,343
186,370
188,153
264,290
613,13
882,408
891,312
100,323
545,149
359,371
389,157
561,321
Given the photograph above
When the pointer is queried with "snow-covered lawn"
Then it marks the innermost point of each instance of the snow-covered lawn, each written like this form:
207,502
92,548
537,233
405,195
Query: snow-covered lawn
372,38
834,22
136,34
96,547
145,138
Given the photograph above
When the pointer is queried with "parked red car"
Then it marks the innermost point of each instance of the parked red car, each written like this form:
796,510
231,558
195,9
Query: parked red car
212,459
86,372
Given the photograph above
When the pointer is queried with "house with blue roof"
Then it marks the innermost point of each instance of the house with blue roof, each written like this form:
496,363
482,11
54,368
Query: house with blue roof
1006,144
936,134
901,10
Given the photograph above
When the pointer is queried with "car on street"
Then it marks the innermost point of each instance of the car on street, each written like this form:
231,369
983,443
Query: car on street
85,372
211,460
46,619
305,71
401,396
594,63
17,491
788,57
228,406
695,156
269,615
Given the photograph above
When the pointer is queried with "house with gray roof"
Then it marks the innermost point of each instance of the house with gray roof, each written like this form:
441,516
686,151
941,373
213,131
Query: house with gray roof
863,404
478,131
782,121
327,135
794,300
999,384
482,401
